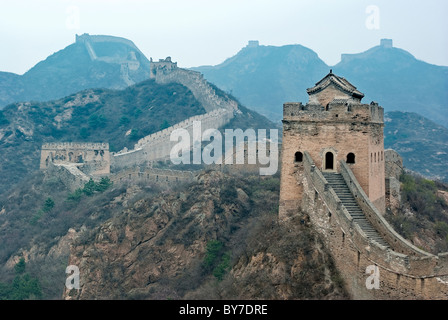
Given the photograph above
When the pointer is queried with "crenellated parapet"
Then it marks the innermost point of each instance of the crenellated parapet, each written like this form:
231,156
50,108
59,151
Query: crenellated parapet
75,145
336,110
405,271
142,174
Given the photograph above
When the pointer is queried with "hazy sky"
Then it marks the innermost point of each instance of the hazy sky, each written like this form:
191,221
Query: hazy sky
200,32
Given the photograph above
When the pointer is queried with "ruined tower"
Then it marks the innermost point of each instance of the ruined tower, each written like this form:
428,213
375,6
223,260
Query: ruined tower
334,125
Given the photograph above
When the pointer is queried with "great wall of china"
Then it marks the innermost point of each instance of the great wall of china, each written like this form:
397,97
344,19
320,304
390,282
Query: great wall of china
336,172
404,271
78,162
334,169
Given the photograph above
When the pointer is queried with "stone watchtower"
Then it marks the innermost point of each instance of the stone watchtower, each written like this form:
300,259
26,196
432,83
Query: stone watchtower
164,66
334,125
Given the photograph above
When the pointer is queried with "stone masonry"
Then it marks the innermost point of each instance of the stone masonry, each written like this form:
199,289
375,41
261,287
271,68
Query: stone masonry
333,125
94,157
333,170
220,110
94,160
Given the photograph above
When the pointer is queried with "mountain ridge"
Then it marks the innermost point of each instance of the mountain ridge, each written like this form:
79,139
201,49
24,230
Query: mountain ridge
75,68
391,76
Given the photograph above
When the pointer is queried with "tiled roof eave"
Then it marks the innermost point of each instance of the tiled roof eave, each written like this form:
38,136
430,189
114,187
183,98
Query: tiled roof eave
342,86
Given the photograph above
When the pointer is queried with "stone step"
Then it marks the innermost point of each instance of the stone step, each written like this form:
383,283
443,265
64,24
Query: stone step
341,189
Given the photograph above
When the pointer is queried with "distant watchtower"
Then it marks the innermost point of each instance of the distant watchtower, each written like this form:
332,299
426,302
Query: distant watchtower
163,66
334,125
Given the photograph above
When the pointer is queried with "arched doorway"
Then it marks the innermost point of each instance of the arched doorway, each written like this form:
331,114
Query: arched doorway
298,157
351,158
329,161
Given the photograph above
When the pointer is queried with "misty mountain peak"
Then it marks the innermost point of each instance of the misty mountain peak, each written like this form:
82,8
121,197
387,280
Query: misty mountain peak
92,61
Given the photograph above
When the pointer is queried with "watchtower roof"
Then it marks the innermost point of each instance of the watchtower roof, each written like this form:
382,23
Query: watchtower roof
340,82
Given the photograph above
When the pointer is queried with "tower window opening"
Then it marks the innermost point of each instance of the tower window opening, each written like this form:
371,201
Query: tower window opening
351,158
298,156
329,161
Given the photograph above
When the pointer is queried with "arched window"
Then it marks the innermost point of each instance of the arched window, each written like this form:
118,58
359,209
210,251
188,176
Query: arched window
351,158
329,161
298,156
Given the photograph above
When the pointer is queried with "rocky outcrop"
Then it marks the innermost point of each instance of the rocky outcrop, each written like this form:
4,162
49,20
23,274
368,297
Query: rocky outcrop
155,249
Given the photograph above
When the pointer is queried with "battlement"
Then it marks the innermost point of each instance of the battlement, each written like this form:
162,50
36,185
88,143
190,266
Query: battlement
75,145
386,43
253,44
163,66
152,175
336,110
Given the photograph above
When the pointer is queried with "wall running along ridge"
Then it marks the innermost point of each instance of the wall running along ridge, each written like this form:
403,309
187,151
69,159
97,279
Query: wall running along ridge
95,160
157,146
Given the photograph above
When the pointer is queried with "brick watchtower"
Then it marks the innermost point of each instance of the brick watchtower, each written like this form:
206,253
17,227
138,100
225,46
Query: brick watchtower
334,125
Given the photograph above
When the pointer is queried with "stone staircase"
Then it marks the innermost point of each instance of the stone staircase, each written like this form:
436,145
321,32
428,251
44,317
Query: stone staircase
341,189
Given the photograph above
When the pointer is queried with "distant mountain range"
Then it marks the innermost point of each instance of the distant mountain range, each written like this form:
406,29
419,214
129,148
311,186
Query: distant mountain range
261,77
264,77
91,62
422,143
119,117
